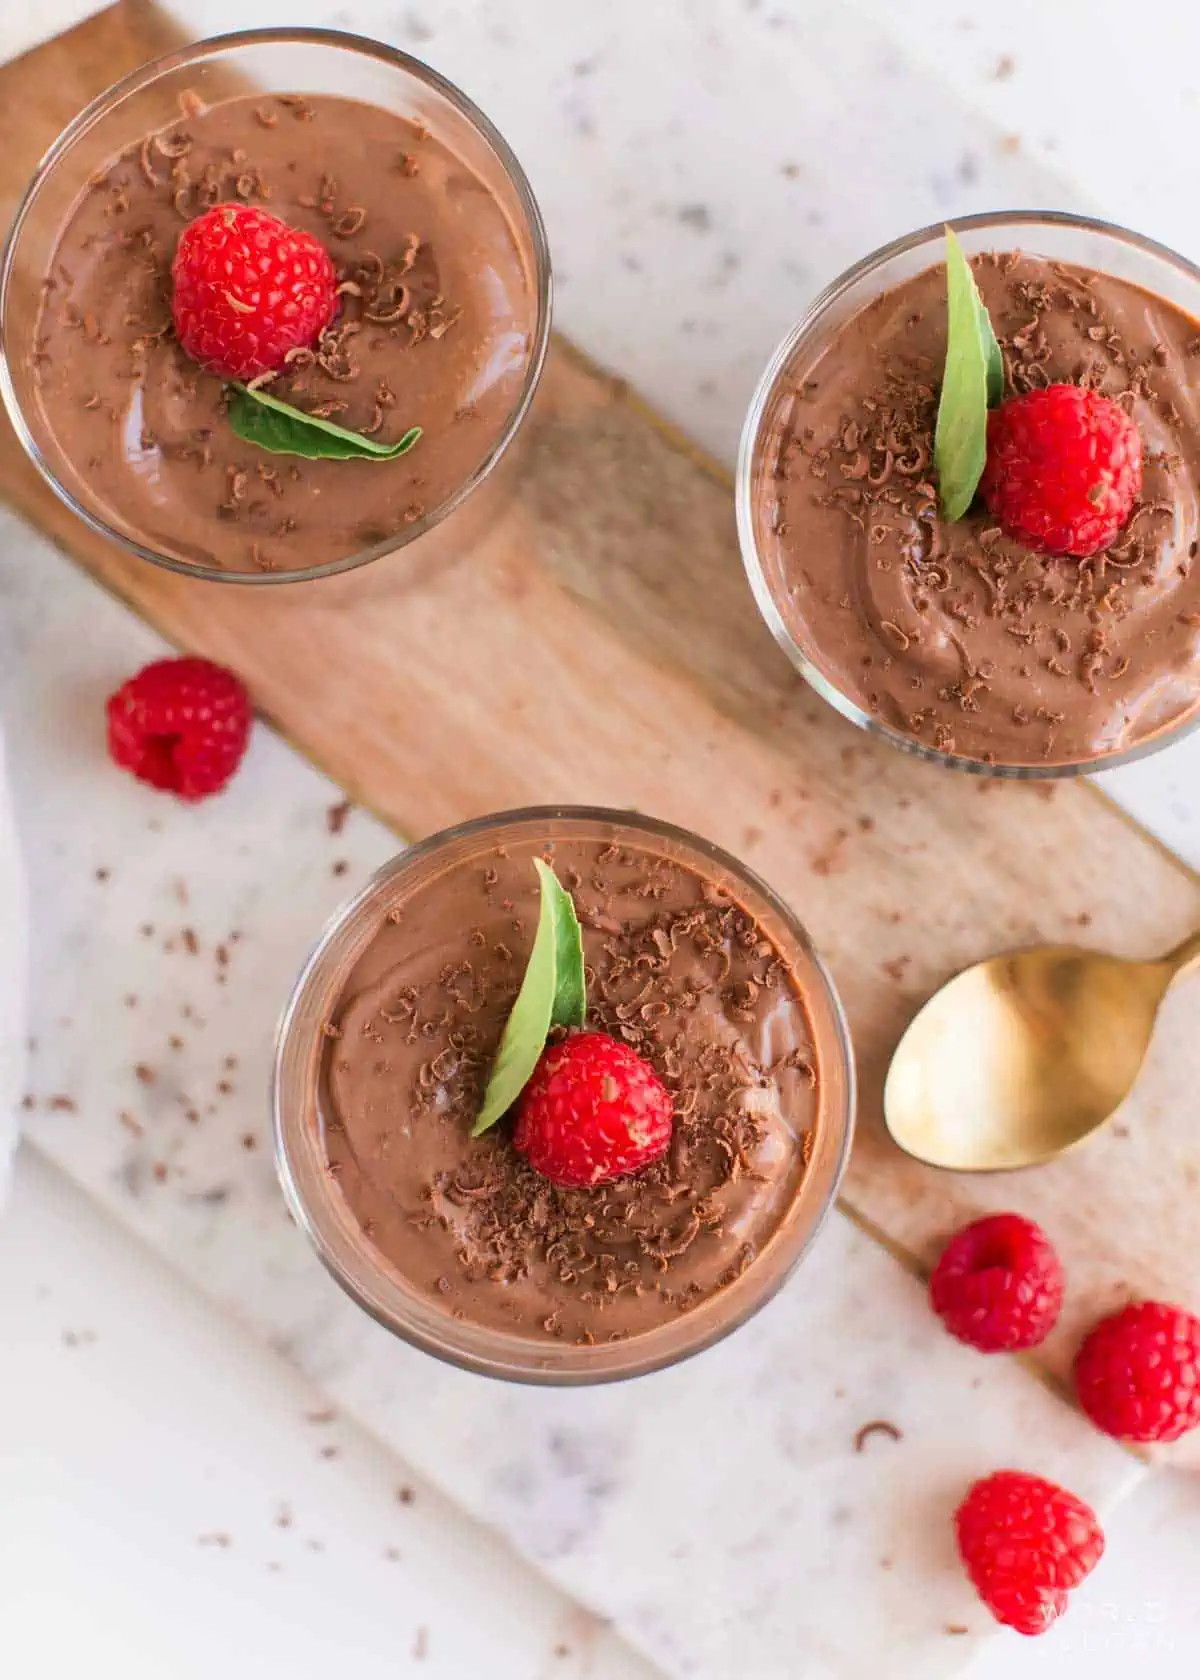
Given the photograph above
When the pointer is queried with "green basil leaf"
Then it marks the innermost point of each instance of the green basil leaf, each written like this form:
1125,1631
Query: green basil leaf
570,988
270,424
552,994
992,356
973,370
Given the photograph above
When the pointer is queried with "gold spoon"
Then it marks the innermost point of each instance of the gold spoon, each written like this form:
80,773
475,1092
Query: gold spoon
1024,1055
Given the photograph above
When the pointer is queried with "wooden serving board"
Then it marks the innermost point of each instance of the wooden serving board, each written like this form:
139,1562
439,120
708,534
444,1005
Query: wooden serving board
601,645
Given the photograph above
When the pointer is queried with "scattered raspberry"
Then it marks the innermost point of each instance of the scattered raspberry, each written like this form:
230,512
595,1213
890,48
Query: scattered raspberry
592,1111
181,725
247,289
1025,1543
999,1284
1138,1373
1064,468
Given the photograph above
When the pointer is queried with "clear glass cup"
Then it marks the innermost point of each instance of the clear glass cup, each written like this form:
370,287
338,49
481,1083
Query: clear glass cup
378,1287
309,61
1043,233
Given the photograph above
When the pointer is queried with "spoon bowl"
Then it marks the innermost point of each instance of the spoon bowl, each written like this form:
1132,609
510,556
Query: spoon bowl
1025,1055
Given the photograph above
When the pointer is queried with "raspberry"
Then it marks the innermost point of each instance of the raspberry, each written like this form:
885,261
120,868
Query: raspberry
181,724
1064,468
592,1111
247,289
1025,1543
999,1284
1138,1373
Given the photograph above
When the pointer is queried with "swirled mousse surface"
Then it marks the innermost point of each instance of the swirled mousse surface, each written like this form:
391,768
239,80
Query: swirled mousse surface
954,633
677,969
434,329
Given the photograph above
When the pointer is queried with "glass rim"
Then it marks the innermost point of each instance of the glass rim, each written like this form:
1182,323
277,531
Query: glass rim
213,46
808,326
625,1359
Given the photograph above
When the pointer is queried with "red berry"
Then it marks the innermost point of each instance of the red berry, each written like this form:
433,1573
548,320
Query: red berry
247,289
592,1111
1025,1543
1064,468
1138,1373
181,725
999,1284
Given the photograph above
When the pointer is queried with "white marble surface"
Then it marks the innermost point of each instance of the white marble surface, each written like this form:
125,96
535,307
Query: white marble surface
23,23
112,1517
704,167
233,1523
14,963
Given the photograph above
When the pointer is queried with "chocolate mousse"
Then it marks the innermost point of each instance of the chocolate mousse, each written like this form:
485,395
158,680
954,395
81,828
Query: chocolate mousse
954,633
677,969
435,326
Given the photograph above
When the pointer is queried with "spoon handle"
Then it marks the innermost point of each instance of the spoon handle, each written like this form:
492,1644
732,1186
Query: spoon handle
1184,956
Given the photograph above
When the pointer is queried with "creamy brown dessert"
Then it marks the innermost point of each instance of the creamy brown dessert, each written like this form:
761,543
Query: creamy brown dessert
434,329
954,633
678,970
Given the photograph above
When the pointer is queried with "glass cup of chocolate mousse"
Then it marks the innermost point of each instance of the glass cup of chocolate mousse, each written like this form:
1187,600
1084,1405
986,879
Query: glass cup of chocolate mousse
1006,583
563,1095
339,353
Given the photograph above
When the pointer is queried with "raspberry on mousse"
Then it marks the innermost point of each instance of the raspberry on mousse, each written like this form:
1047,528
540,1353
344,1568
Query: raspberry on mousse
246,289
1063,470
593,1111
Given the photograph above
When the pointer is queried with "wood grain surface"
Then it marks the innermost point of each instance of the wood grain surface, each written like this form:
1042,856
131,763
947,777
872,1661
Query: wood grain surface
599,643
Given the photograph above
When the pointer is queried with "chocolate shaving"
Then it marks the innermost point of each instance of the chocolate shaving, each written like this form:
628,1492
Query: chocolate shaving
877,1426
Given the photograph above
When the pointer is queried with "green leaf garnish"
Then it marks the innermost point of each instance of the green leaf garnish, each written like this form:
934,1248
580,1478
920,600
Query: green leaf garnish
972,382
271,424
553,994
570,988
993,359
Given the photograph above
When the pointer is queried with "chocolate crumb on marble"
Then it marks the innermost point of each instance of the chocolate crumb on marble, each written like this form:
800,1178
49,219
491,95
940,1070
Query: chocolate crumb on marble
877,1426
